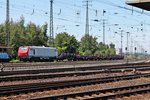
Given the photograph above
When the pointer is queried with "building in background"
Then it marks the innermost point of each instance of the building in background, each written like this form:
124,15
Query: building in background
143,4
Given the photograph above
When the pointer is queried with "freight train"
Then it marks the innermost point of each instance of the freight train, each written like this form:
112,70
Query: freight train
41,53
4,55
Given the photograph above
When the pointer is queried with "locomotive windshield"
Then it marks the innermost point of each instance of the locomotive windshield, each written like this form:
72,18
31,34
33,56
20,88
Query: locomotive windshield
23,48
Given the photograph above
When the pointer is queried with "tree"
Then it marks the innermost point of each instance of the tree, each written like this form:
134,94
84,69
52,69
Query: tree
2,34
21,35
88,45
66,43
32,34
16,41
112,46
73,45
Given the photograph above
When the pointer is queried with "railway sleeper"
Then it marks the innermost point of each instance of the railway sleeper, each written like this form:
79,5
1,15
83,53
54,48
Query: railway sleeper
104,94
43,86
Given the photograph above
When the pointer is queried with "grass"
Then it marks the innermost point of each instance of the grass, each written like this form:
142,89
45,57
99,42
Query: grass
15,60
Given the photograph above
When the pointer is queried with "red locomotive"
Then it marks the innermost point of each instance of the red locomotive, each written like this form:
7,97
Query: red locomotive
37,53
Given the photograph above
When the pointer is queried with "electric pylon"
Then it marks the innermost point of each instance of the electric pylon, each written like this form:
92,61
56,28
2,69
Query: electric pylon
87,17
51,29
7,30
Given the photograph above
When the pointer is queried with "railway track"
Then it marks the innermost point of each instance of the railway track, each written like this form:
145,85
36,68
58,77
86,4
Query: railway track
84,68
62,74
101,94
94,63
65,72
35,64
8,90
52,75
33,87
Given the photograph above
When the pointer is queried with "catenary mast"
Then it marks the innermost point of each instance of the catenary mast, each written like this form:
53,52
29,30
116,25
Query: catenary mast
87,17
51,29
7,38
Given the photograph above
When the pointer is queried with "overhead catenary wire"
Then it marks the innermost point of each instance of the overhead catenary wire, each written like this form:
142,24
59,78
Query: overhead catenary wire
123,7
34,9
28,9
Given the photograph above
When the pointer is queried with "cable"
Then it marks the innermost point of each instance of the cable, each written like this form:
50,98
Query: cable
116,5
35,11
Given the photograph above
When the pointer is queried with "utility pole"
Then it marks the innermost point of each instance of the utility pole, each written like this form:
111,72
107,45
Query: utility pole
87,17
131,46
121,41
103,31
127,48
7,38
104,23
51,29
128,42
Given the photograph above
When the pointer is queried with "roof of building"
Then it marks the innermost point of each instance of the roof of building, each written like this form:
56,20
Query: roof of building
143,4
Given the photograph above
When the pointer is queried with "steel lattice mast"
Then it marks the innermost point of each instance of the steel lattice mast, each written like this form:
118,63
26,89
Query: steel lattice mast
7,38
51,29
87,18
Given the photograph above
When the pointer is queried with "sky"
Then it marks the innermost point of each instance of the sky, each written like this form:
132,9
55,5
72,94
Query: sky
70,17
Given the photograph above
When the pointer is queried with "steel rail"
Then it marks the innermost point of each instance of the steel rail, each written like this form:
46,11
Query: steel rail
52,75
31,87
63,74
55,75
74,68
135,89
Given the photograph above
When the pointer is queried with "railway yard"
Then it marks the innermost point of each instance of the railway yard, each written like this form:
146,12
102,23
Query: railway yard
89,80
75,50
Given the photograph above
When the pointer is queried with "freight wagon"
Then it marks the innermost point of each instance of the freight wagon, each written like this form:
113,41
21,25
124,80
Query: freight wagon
37,53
